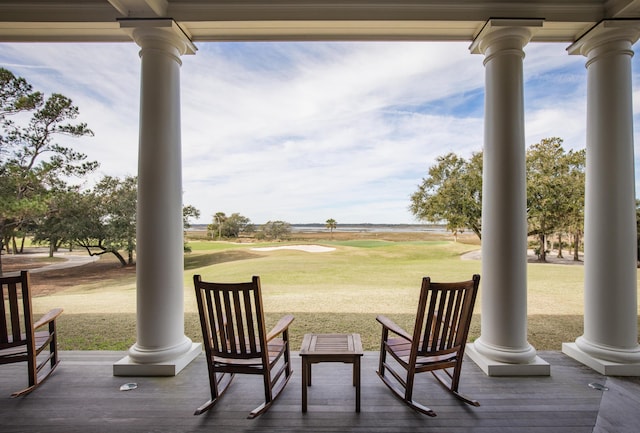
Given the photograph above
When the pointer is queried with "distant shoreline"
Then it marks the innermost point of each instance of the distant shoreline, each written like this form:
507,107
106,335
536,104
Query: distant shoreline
364,227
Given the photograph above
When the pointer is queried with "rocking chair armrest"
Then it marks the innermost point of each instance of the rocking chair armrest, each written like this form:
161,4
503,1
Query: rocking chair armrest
50,316
281,326
393,327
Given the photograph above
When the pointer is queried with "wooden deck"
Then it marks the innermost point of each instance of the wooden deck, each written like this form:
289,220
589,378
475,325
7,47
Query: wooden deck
83,396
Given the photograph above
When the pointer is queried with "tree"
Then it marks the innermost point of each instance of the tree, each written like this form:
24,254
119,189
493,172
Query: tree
573,222
18,212
555,191
229,226
451,193
218,220
188,212
235,225
472,203
118,200
60,223
16,95
331,225
101,220
276,230
34,166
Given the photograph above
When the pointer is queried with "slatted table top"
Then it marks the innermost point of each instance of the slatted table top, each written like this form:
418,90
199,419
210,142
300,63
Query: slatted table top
331,344
318,348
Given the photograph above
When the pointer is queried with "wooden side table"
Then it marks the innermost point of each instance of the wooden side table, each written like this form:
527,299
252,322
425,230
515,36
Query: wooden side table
316,348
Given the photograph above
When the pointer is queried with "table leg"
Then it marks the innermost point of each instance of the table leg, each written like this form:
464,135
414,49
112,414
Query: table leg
354,378
305,378
356,381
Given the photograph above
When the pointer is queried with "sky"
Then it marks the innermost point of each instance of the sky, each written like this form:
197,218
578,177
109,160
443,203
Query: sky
307,131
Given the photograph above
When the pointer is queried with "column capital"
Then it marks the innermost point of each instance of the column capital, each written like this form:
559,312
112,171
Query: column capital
605,33
505,30
156,33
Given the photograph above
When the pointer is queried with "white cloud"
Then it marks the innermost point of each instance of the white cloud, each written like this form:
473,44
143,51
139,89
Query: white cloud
303,132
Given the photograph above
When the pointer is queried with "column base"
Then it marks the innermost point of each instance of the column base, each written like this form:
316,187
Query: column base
536,367
128,367
607,368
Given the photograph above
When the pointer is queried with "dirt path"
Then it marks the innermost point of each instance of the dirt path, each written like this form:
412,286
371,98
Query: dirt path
552,257
37,262
65,270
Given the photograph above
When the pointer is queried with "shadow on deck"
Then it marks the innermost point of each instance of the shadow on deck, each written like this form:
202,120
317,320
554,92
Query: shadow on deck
83,396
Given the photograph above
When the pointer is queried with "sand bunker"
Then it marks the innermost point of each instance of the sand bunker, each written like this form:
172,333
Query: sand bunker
305,248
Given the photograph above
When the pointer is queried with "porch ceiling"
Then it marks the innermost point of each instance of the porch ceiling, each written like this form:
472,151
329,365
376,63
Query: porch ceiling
235,20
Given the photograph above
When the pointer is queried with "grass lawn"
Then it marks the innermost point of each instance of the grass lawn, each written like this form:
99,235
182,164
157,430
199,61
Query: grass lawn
338,291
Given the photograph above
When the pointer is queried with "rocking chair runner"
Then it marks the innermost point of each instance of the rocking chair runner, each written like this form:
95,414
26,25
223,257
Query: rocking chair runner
235,340
19,339
438,340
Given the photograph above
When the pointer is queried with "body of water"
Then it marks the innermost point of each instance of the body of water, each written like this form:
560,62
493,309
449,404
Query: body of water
354,228
379,228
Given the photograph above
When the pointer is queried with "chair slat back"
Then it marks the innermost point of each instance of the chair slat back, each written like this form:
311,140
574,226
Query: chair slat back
15,311
232,318
444,315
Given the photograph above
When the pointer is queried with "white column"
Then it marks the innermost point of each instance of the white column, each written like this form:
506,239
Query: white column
502,348
610,340
161,347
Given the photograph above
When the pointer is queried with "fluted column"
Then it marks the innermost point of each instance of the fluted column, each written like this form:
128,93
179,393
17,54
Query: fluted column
161,347
610,340
502,348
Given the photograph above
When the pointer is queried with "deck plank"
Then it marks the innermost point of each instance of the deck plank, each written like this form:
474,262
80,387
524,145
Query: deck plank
82,395
620,406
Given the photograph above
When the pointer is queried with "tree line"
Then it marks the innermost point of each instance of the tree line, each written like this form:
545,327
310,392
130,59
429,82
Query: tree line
452,193
41,180
235,225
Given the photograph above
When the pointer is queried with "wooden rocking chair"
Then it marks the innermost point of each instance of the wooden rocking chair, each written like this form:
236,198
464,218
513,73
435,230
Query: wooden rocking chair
437,344
19,339
235,340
